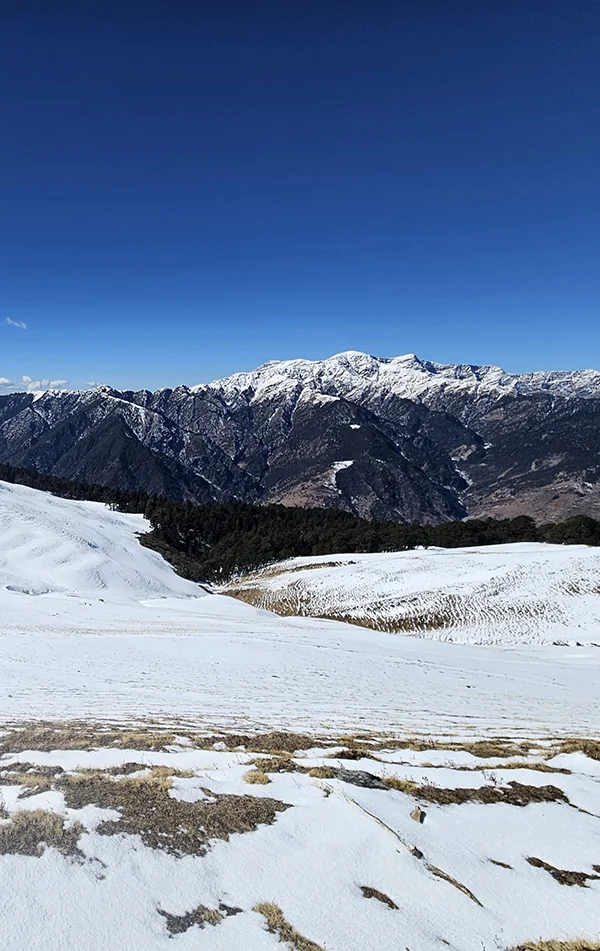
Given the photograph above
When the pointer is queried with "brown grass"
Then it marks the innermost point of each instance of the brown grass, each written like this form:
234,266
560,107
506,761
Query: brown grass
321,772
590,748
282,763
34,779
369,892
500,864
578,944
563,876
201,916
256,777
275,742
514,794
31,832
278,925
353,753
46,737
147,810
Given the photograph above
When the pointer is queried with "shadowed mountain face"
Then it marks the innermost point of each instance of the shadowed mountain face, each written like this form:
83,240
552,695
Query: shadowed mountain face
400,439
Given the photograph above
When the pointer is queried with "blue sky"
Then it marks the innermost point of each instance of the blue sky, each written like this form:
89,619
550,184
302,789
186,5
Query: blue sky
191,189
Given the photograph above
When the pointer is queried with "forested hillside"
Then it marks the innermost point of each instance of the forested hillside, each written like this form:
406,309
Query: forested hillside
208,542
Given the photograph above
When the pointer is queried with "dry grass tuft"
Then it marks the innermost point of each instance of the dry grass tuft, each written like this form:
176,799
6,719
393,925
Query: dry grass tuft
256,777
563,876
353,753
30,832
321,772
277,924
408,786
180,828
500,864
590,748
369,892
201,916
578,944
282,763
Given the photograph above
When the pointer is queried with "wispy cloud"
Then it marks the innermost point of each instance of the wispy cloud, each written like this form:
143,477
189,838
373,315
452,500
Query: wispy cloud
5,382
19,324
38,386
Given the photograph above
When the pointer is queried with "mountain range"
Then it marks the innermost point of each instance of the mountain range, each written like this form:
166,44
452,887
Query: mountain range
401,438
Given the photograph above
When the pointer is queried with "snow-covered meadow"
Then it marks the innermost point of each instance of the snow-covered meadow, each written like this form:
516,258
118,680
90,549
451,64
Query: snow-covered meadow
94,625
124,825
509,595
325,854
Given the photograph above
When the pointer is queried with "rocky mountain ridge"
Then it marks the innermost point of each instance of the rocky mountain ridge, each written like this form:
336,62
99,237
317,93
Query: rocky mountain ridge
398,438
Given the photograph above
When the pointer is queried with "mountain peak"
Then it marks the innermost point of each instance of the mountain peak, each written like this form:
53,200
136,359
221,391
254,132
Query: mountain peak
355,374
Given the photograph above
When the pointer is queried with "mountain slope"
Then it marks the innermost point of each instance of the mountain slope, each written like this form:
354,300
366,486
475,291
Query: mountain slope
52,546
403,439
527,593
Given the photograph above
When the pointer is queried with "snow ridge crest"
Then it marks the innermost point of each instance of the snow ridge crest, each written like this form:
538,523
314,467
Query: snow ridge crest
353,374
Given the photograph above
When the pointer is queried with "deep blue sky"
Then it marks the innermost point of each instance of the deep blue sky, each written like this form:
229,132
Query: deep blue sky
191,189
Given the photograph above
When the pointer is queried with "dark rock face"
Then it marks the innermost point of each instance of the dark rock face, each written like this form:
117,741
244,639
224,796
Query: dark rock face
399,439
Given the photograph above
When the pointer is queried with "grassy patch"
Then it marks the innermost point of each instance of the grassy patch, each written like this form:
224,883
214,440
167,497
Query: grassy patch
590,748
563,876
34,779
46,737
369,892
201,916
147,810
277,924
514,794
31,832
282,763
321,772
256,777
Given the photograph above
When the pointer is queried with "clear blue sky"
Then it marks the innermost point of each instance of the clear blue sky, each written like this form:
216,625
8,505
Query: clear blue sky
191,189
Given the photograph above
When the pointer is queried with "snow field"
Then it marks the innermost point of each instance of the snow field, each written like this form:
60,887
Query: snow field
117,634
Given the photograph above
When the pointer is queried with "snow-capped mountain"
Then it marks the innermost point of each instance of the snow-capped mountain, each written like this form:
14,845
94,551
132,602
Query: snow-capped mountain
353,374
399,438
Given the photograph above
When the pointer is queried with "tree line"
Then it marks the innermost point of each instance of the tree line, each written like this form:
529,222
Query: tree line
213,541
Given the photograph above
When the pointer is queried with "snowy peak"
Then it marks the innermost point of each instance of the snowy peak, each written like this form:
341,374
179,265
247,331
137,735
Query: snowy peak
354,375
